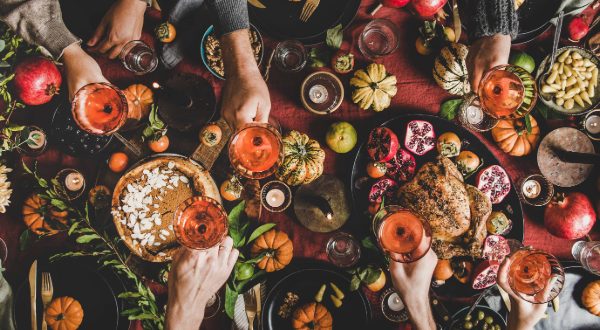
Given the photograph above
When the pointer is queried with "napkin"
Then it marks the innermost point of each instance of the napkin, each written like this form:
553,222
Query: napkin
6,303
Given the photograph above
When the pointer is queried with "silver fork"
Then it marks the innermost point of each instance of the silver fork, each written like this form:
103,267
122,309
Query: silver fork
309,8
251,307
47,293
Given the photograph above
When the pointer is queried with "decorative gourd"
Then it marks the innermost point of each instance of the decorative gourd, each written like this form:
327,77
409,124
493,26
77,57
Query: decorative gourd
312,316
591,297
41,218
139,101
450,69
278,249
303,159
64,313
512,136
373,87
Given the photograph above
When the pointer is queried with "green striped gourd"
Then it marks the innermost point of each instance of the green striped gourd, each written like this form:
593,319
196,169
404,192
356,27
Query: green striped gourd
303,159
450,69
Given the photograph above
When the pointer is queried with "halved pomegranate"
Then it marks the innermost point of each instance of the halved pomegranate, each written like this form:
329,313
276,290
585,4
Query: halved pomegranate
420,137
496,248
382,144
402,167
485,274
494,182
383,188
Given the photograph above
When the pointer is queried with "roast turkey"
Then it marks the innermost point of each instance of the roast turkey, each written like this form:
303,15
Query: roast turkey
456,212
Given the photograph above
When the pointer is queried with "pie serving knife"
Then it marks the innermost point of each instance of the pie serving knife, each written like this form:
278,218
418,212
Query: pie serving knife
33,294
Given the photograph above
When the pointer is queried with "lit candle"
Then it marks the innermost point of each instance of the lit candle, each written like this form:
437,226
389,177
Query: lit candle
178,97
395,303
531,188
275,198
318,94
474,115
74,181
592,124
36,139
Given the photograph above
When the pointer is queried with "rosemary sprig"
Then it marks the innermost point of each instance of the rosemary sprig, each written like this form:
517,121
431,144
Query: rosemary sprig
140,301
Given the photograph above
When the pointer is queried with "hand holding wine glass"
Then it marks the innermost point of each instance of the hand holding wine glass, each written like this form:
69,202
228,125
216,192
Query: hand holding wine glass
196,275
486,53
80,68
523,314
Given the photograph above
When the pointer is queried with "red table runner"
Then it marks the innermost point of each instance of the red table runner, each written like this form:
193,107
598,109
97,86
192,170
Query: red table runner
417,93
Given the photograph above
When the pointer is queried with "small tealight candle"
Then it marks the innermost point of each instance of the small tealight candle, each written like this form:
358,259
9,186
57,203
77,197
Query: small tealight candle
592,124
74,181
37,139
275,197
474,115
531,188
318,94
395,303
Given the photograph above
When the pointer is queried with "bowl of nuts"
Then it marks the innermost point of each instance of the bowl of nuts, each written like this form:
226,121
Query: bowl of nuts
211,52
570,86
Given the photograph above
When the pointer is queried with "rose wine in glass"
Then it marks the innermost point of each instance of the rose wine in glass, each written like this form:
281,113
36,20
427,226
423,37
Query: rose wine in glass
99,108
256,150
507,92
200,223
401,234
535,276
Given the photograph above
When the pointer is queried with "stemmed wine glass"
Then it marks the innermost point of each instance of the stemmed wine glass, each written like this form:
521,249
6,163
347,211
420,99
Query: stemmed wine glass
101,109
505,92
535,276
401,234
256,150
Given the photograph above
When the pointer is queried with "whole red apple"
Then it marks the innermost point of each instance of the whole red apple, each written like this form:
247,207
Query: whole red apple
569,215
578,29
427,8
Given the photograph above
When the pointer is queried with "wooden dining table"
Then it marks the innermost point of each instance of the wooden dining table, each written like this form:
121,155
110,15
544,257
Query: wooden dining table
417,93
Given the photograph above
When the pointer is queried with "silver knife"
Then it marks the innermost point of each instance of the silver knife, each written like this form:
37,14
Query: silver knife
33,294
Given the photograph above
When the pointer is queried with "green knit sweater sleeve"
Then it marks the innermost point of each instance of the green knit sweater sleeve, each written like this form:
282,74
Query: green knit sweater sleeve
39,22
494,17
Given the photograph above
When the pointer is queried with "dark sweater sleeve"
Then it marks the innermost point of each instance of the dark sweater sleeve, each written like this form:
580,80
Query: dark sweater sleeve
39,22
494,17
230,15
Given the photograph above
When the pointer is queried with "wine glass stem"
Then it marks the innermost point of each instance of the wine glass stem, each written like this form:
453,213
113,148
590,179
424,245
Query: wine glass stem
134,148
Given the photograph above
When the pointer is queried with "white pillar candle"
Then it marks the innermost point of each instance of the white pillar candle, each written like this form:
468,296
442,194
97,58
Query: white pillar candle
74,181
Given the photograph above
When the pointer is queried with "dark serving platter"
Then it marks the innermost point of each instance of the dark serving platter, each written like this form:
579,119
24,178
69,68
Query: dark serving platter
305,277
280,19
96,291
360,183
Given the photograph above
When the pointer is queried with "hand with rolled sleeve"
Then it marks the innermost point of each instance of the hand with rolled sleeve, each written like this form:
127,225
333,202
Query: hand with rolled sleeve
80,69
196,275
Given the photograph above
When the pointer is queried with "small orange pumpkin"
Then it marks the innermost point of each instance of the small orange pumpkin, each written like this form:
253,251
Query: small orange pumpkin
139,101
512,136
278,247
36,213
312,316
64,313
591,297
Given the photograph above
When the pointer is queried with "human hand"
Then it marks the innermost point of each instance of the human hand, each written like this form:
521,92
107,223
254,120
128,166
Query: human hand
121,24
245,95
196,275
486,53
80,69
412,282
523,314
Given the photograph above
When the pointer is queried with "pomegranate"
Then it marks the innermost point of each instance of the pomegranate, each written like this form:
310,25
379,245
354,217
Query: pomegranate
427,8
37,80
485,274
402,167
578,29
382,144
383,188
569,215
496,248
420,137
395,3
494,182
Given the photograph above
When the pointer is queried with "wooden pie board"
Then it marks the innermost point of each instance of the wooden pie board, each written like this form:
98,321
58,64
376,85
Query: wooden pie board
561,173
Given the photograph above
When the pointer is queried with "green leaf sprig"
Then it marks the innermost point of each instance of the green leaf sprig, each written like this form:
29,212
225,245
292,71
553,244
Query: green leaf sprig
156,128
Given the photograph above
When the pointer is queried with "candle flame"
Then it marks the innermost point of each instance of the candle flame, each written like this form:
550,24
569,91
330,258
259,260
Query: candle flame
156,85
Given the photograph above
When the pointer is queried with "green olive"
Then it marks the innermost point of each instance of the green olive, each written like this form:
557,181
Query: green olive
497,327
476,323
468,317
485,326
489,320
480,315
468,325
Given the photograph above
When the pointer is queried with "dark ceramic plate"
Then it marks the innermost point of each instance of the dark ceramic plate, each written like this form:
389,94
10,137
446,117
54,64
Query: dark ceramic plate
280,19
304,278
96,291
458,318
361,184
